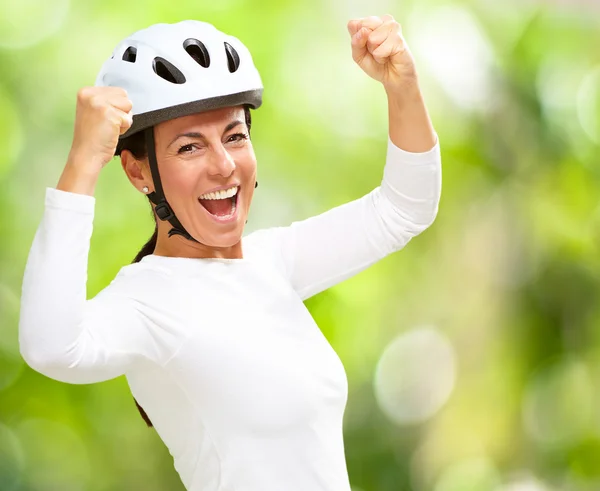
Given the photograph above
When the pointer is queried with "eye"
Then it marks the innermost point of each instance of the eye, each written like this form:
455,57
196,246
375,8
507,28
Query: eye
238,137
186,148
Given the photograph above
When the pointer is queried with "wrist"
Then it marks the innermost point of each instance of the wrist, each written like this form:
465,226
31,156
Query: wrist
83,163
404,93
78,178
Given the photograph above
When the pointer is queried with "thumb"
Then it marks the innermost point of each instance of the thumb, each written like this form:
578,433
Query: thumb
126,121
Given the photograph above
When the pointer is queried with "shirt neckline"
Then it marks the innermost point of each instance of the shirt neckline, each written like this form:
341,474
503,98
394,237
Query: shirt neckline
154,258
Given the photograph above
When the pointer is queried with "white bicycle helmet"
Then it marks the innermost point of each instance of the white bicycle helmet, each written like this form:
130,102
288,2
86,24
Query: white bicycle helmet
174,70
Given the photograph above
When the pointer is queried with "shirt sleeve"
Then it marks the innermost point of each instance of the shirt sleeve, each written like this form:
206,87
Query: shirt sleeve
326,249
61,334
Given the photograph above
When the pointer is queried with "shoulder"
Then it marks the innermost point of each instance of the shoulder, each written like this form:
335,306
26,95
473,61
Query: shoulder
140,272
269,245
134,280
264,241
263,236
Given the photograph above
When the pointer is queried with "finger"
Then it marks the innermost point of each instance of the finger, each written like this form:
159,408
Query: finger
353,26
391,47
124,120
359,44
372,22
379,35
369,22
121,103
110,92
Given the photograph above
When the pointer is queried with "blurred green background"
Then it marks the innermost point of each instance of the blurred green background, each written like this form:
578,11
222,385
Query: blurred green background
473,355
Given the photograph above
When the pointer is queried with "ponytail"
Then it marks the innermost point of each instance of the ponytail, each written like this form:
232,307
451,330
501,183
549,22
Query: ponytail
148,248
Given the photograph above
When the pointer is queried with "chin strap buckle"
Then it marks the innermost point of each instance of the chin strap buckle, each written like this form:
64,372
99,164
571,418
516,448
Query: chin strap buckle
164,212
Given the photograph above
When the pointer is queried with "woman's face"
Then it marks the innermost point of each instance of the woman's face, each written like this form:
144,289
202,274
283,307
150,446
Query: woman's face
199,154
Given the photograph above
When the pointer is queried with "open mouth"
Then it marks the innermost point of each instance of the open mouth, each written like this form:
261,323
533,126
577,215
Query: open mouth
221,209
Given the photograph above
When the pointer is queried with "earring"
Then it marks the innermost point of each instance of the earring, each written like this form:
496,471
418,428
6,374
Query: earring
145,189
255,184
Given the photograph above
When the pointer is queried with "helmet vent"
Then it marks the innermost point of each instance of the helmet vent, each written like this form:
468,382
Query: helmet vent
233,59
198,51
167,70
130,54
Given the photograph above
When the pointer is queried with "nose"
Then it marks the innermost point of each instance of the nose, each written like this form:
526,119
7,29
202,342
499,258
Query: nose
221,162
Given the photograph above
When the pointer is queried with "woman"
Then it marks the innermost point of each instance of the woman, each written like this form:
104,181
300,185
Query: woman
209,327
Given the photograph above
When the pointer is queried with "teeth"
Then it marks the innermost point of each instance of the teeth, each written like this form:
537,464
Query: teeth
230,215
223,194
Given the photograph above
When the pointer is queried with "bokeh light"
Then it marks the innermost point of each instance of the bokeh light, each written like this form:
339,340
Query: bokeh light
415,376
11,367
11,460
557,407
47,446
523,482
477,474
24,23
9,308
11,362
452,46
11,132
588,104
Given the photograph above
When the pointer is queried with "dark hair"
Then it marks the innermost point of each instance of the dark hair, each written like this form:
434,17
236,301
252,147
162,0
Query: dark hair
136,144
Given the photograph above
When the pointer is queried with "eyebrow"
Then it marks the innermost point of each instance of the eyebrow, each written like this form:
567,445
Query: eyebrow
195,134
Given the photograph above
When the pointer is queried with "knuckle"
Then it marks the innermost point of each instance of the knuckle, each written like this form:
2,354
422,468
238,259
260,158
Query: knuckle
108,113
84,93
96,102
373,41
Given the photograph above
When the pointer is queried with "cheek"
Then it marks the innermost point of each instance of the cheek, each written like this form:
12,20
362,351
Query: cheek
247,164
180,178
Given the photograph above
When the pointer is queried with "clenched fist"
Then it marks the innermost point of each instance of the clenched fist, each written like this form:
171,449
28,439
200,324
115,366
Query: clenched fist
380,50
102,115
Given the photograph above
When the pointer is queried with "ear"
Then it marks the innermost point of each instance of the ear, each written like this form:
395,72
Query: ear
134,169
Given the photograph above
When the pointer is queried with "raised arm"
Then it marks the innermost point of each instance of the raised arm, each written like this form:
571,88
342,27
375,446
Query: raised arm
326,249
323,250
61,334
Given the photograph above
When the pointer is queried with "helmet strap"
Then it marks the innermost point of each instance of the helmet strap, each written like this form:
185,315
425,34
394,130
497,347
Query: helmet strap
162,208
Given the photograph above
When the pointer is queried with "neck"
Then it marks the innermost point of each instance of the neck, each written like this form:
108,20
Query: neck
179,246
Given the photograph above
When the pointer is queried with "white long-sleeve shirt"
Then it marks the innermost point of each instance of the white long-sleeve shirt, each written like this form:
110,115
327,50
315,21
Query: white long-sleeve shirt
222,354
